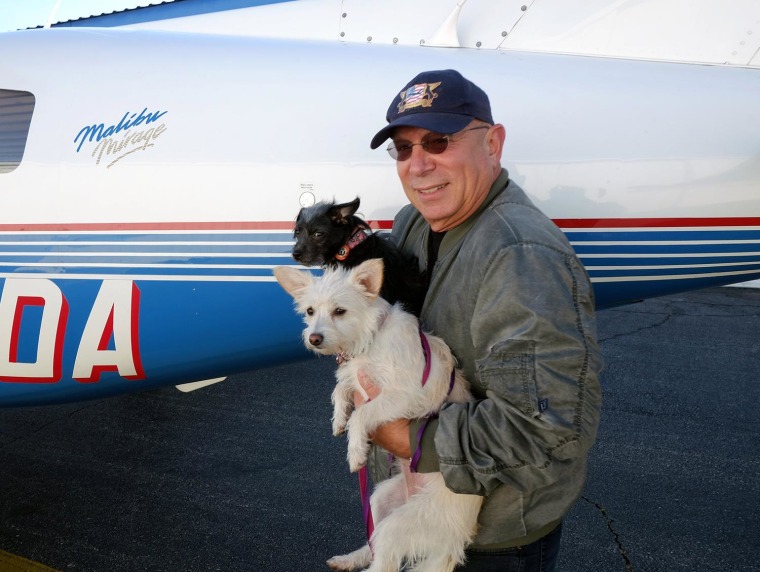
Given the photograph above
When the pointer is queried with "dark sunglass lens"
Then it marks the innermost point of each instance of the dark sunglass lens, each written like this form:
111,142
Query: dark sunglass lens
400,151
436,146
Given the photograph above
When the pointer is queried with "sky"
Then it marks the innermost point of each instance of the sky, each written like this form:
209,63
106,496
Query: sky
15,14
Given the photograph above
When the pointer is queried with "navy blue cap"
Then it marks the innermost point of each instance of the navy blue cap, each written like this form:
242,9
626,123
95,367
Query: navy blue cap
442,101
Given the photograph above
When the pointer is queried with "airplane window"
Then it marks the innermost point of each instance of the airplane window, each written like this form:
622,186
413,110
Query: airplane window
16,109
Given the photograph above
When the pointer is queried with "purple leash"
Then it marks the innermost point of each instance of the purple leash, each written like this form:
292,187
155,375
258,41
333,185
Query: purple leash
426,351
363,473
418,451
366,508
425,374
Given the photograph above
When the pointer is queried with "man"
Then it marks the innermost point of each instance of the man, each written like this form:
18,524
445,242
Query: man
510,297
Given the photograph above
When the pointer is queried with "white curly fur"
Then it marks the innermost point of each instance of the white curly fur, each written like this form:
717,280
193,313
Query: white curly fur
419,521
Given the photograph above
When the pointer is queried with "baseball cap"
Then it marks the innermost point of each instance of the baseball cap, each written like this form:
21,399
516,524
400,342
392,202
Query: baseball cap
443,101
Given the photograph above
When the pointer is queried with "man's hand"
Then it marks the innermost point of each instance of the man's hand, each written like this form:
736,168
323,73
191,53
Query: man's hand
370,390
392,436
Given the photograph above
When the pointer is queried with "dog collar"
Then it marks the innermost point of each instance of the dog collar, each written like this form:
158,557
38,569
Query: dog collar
360,234
342,357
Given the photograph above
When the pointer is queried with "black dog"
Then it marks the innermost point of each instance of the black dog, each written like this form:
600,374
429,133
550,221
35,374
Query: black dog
330,235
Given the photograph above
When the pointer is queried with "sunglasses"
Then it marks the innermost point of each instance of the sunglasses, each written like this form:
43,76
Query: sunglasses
433,144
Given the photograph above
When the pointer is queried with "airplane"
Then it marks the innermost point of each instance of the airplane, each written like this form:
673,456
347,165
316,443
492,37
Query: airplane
151,172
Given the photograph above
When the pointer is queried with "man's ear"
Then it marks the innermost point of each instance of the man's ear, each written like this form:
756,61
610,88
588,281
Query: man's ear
496,137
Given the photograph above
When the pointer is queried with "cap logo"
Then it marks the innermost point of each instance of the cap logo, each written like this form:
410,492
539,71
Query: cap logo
420,95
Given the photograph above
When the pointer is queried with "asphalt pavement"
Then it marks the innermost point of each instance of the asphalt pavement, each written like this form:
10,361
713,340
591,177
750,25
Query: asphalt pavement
245,475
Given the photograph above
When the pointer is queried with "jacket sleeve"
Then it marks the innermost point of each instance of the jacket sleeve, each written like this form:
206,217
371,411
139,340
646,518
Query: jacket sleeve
537,360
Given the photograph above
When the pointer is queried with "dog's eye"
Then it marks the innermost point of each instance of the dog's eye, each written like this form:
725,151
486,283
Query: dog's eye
318,234
339,311
310,311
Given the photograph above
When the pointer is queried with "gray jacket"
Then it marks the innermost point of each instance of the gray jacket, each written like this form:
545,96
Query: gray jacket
510,297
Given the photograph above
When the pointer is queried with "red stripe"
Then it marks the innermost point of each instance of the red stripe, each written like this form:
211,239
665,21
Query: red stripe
126,226
148,226
376,224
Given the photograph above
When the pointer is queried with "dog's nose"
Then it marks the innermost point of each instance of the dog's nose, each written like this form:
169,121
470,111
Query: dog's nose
297,254
316,339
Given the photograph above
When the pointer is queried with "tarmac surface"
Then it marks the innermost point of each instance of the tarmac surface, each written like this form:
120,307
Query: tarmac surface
245,476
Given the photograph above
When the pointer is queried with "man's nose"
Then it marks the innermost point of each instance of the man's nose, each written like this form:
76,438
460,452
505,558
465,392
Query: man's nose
420,161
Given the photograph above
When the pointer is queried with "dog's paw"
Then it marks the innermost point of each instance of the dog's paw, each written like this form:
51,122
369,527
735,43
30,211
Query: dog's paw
358,450
340,563
356,461
355,467
356,560
340,421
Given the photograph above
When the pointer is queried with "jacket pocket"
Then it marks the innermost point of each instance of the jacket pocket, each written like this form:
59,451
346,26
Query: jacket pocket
510,373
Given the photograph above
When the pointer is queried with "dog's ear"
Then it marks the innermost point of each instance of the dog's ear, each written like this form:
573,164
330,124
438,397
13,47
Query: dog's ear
340,214
292,281
297,223
369,275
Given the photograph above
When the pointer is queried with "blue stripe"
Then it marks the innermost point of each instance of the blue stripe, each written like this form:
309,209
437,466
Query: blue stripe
674,248
183,270
669,261
617,293
669,235
162,11
671,271
63,254
189,256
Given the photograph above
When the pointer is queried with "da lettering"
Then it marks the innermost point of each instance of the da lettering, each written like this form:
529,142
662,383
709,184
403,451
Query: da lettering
19,295
113,321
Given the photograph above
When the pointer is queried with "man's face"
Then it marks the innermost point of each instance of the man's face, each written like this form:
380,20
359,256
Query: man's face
448,188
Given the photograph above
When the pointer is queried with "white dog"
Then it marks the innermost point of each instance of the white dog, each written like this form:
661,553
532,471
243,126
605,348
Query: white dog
420,522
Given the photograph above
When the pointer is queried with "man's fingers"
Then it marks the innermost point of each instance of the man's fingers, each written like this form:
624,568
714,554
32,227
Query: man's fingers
368,387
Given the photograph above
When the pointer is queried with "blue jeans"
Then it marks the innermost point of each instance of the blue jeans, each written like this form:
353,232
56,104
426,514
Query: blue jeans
539,556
